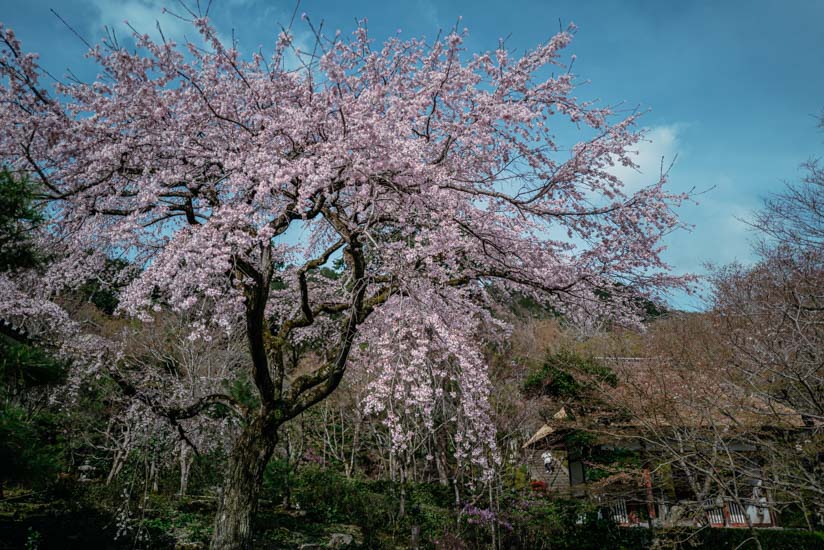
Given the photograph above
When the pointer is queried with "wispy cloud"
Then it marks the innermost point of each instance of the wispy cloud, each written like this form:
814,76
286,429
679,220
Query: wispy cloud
659,148
143,15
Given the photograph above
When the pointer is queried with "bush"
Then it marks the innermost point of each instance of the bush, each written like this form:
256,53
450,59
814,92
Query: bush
25,454
731,539
567,375
326,496
569,525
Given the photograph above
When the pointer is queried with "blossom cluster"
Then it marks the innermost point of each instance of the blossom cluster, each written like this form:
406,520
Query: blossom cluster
426,176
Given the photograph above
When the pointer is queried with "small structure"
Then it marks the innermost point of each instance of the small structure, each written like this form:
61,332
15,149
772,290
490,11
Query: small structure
645,493
638,498
546,458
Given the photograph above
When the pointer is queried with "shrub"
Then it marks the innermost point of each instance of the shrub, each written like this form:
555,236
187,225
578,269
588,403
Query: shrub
567,375
741,539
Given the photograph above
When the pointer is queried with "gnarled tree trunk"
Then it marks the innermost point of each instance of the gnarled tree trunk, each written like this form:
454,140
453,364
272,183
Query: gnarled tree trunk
241,486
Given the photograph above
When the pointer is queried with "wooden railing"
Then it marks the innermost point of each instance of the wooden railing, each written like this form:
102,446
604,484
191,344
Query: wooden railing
728,513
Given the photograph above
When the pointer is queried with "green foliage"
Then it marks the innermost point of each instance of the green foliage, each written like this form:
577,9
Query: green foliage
329,502
33,539
243,391
742,539
329,273
567,375
104,296
326,496
526,305
648,309
579,439
172,518
541,524
558,525
76,523
27,451
612,460
24,367
18,216
601,460
519,476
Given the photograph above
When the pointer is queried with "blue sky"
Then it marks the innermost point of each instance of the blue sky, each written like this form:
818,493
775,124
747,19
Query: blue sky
733,87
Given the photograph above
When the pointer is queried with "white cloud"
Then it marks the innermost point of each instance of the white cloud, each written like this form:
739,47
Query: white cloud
660,142
143,15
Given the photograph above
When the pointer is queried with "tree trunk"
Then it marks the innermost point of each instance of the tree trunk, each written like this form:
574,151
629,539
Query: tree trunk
441,464
241,487
153,475
185,467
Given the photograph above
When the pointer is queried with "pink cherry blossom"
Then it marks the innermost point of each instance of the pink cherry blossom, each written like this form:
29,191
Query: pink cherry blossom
433,176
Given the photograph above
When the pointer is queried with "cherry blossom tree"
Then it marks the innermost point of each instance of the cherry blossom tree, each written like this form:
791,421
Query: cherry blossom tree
427,175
